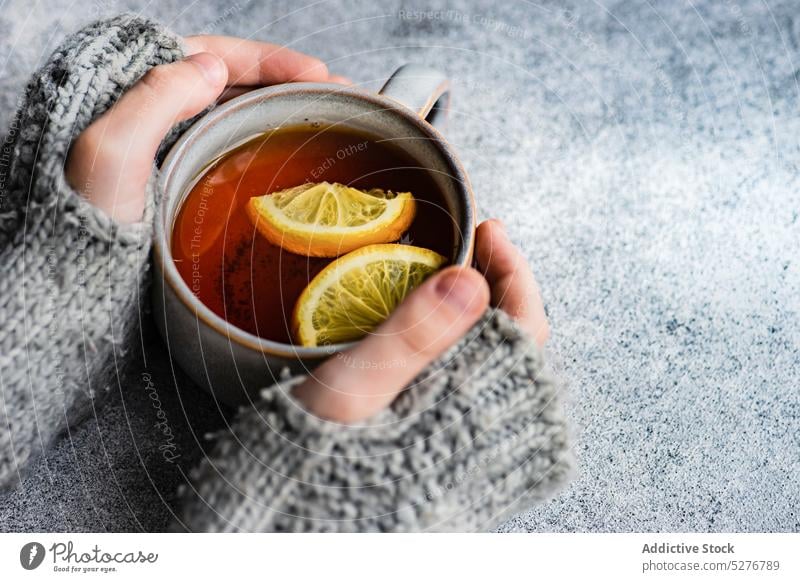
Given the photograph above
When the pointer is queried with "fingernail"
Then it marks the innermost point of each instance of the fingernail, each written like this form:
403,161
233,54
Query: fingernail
212,67
456,288
501,224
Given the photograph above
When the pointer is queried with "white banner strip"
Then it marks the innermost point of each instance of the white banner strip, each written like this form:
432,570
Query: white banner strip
380,558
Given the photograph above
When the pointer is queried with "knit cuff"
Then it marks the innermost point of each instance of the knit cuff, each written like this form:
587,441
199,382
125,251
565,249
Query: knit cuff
479,435
81,80
81,214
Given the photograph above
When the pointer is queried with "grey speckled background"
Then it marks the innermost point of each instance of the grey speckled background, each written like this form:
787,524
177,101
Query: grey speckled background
645,156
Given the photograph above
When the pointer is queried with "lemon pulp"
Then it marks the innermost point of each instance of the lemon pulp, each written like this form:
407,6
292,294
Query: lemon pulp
330,219
357,292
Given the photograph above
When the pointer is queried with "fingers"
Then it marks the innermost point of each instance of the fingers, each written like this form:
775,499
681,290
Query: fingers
112,159
237,90
358,383
255,63
513,286
164,96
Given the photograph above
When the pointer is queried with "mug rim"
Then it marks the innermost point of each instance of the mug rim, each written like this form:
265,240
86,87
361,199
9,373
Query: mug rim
161,248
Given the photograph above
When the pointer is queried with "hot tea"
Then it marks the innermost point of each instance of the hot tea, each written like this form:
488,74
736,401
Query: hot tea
254,284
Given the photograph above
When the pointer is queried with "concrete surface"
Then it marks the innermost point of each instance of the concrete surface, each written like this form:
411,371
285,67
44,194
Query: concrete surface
644,155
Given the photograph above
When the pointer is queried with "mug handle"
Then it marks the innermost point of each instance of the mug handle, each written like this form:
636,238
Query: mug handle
424,90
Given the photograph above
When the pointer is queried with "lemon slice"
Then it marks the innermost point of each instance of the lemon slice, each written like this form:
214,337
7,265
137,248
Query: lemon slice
356,292
328,220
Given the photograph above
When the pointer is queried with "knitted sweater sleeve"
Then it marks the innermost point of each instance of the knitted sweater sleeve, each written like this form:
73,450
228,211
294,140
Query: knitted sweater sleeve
71,277
478,436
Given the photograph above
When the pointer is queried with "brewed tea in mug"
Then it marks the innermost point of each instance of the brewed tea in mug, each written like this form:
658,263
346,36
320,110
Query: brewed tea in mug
242,277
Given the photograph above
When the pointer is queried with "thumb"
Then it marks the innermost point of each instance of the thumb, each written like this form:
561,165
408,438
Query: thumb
112,159
360,382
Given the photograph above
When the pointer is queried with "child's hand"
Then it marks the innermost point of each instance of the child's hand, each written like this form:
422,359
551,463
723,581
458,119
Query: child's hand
360,382
111,161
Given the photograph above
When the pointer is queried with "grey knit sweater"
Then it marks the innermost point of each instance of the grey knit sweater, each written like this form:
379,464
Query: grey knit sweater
479,434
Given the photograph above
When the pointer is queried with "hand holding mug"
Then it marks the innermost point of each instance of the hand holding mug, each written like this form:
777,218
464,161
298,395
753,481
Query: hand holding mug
354,385
111,162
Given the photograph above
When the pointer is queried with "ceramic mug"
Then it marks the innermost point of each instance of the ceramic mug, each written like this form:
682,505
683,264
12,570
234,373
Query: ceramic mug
229,362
